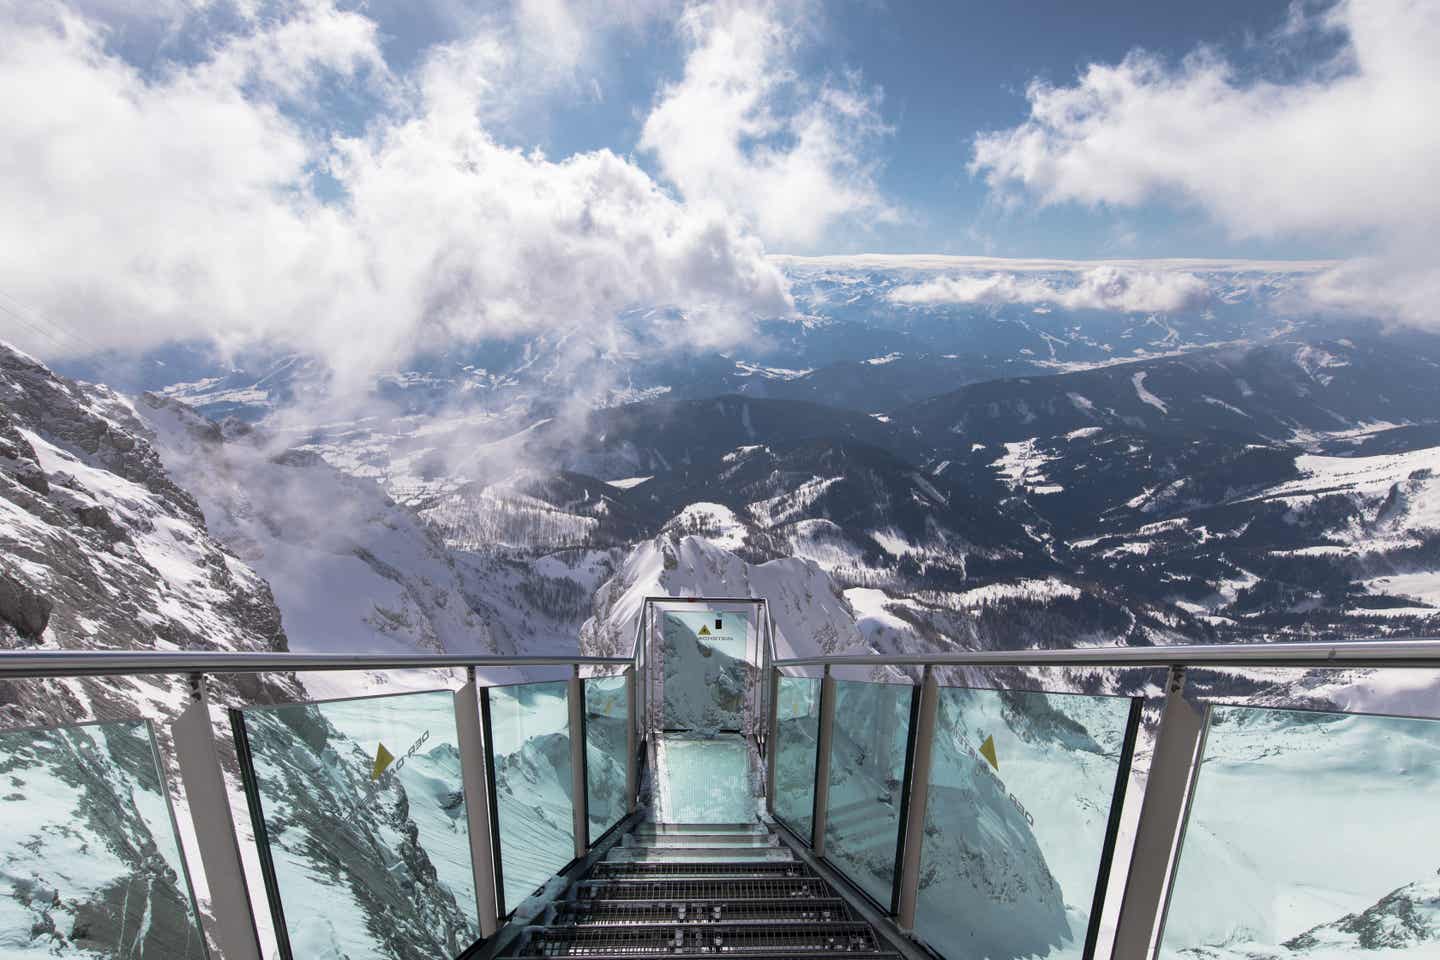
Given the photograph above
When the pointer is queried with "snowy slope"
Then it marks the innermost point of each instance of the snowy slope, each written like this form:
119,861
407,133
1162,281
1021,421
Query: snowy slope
352,570
100,548
1252,880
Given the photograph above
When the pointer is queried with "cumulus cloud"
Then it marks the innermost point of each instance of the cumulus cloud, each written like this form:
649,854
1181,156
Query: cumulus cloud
1099,288
194,202
1349,151
741,130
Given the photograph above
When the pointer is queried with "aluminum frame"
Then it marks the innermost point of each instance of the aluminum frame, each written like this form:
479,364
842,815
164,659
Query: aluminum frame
1163,814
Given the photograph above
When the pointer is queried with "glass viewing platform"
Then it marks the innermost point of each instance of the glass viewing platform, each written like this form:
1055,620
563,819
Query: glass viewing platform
703,797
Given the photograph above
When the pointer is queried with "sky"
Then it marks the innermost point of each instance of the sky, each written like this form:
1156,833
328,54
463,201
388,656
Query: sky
390,174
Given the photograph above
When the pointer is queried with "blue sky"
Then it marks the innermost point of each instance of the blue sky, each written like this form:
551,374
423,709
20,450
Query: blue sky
942,73
390,174
947,72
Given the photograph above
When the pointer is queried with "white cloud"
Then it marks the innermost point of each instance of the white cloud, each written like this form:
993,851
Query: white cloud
141,209
1349,152
563,34
1099,288
740,129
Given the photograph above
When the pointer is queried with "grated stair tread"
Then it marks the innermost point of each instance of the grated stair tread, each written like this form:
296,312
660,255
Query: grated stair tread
732,888
694,911
702,890
849,939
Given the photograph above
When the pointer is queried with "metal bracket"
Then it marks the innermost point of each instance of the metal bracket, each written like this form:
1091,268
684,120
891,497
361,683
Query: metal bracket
209,802
632,759
773,726
579,798
822,763
473,772
918,796
1162,815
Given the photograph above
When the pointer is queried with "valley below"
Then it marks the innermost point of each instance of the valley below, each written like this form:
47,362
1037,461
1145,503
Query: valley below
892,477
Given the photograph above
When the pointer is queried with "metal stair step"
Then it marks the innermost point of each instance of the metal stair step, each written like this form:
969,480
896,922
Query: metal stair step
604,912
678,840
698,870
680,829
698,854
810,939
736,889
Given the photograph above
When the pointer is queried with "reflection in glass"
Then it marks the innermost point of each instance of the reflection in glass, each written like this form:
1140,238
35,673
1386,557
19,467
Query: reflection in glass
867,770
89,859
1021,786
797,732
530,743
706,671
702,779
1310,834
364,815
606,742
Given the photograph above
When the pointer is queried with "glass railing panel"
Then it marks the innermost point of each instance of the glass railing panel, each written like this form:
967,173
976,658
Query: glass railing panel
90,862
1310,835
797,734
867,772
1020,800
528,735
706,670
360,810
606,745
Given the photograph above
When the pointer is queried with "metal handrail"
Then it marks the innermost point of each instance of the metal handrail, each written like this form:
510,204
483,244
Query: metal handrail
1174,761
33,664
1421,652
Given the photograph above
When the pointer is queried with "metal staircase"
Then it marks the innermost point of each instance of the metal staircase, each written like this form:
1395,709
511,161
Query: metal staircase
701,890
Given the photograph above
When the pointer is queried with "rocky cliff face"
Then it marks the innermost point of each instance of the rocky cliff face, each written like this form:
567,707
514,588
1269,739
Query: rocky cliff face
90,865
366,865
352,569
1407,918
101,549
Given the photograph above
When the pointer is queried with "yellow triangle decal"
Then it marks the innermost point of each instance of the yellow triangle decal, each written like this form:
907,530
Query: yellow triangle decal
705,631
987,750
383,759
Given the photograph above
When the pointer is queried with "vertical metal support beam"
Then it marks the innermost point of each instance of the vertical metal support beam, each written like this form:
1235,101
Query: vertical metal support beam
639,664
632,759
772,726
760,722
1162,815
209,802
822,763
473,773
767,689
579,796
917,796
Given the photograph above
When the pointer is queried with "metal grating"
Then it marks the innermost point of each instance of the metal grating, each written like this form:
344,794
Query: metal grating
710,940
734,888
680,840
700,870
690,911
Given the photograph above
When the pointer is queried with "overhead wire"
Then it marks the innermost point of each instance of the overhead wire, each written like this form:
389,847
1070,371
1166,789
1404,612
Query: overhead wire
54,332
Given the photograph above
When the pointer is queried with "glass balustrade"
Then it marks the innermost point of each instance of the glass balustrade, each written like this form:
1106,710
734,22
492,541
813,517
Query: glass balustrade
359,809
706,670
1017,815
1310,835
797,734
606,743
528,739
90,860
867,772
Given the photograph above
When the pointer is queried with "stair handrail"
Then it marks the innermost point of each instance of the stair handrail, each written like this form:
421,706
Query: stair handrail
1174,764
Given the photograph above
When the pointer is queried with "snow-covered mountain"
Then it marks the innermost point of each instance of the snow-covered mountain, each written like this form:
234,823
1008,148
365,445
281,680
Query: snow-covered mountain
892,475
101,548
353,570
